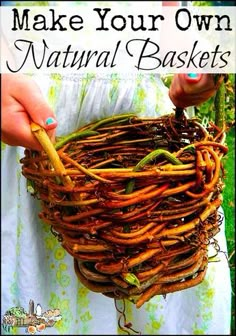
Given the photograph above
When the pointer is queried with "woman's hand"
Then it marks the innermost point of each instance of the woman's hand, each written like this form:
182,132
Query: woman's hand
192,89
22,102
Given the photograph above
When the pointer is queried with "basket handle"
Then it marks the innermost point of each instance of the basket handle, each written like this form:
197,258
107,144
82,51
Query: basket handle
44,140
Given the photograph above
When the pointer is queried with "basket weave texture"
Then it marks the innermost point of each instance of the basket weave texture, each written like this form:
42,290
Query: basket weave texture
136,202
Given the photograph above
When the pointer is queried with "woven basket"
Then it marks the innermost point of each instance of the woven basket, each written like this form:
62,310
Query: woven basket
133,200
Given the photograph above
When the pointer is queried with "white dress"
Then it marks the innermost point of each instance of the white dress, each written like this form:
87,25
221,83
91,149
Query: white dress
36,267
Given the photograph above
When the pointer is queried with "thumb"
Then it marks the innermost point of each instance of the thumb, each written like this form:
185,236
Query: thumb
30,97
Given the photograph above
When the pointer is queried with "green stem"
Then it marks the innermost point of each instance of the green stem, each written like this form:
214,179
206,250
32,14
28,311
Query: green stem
155,154
43,138
119,117
63,141
151,156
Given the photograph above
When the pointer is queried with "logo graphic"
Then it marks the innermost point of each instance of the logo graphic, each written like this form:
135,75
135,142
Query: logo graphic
35,320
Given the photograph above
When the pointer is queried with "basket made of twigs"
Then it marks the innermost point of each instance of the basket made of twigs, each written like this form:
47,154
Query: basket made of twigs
133,200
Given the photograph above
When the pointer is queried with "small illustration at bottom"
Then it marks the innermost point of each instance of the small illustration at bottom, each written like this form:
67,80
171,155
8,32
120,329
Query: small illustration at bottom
35,320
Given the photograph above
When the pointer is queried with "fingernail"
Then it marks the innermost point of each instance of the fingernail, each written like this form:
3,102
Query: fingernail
193,77
50,123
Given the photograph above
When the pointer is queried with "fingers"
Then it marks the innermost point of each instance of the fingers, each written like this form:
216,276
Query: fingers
28,94
192,89
18,132
198,83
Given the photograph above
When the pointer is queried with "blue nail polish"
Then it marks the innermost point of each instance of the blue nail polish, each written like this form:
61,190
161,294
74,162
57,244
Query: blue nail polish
192,75
50,121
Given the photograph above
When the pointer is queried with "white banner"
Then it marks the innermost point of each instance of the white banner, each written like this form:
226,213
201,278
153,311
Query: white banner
124,37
